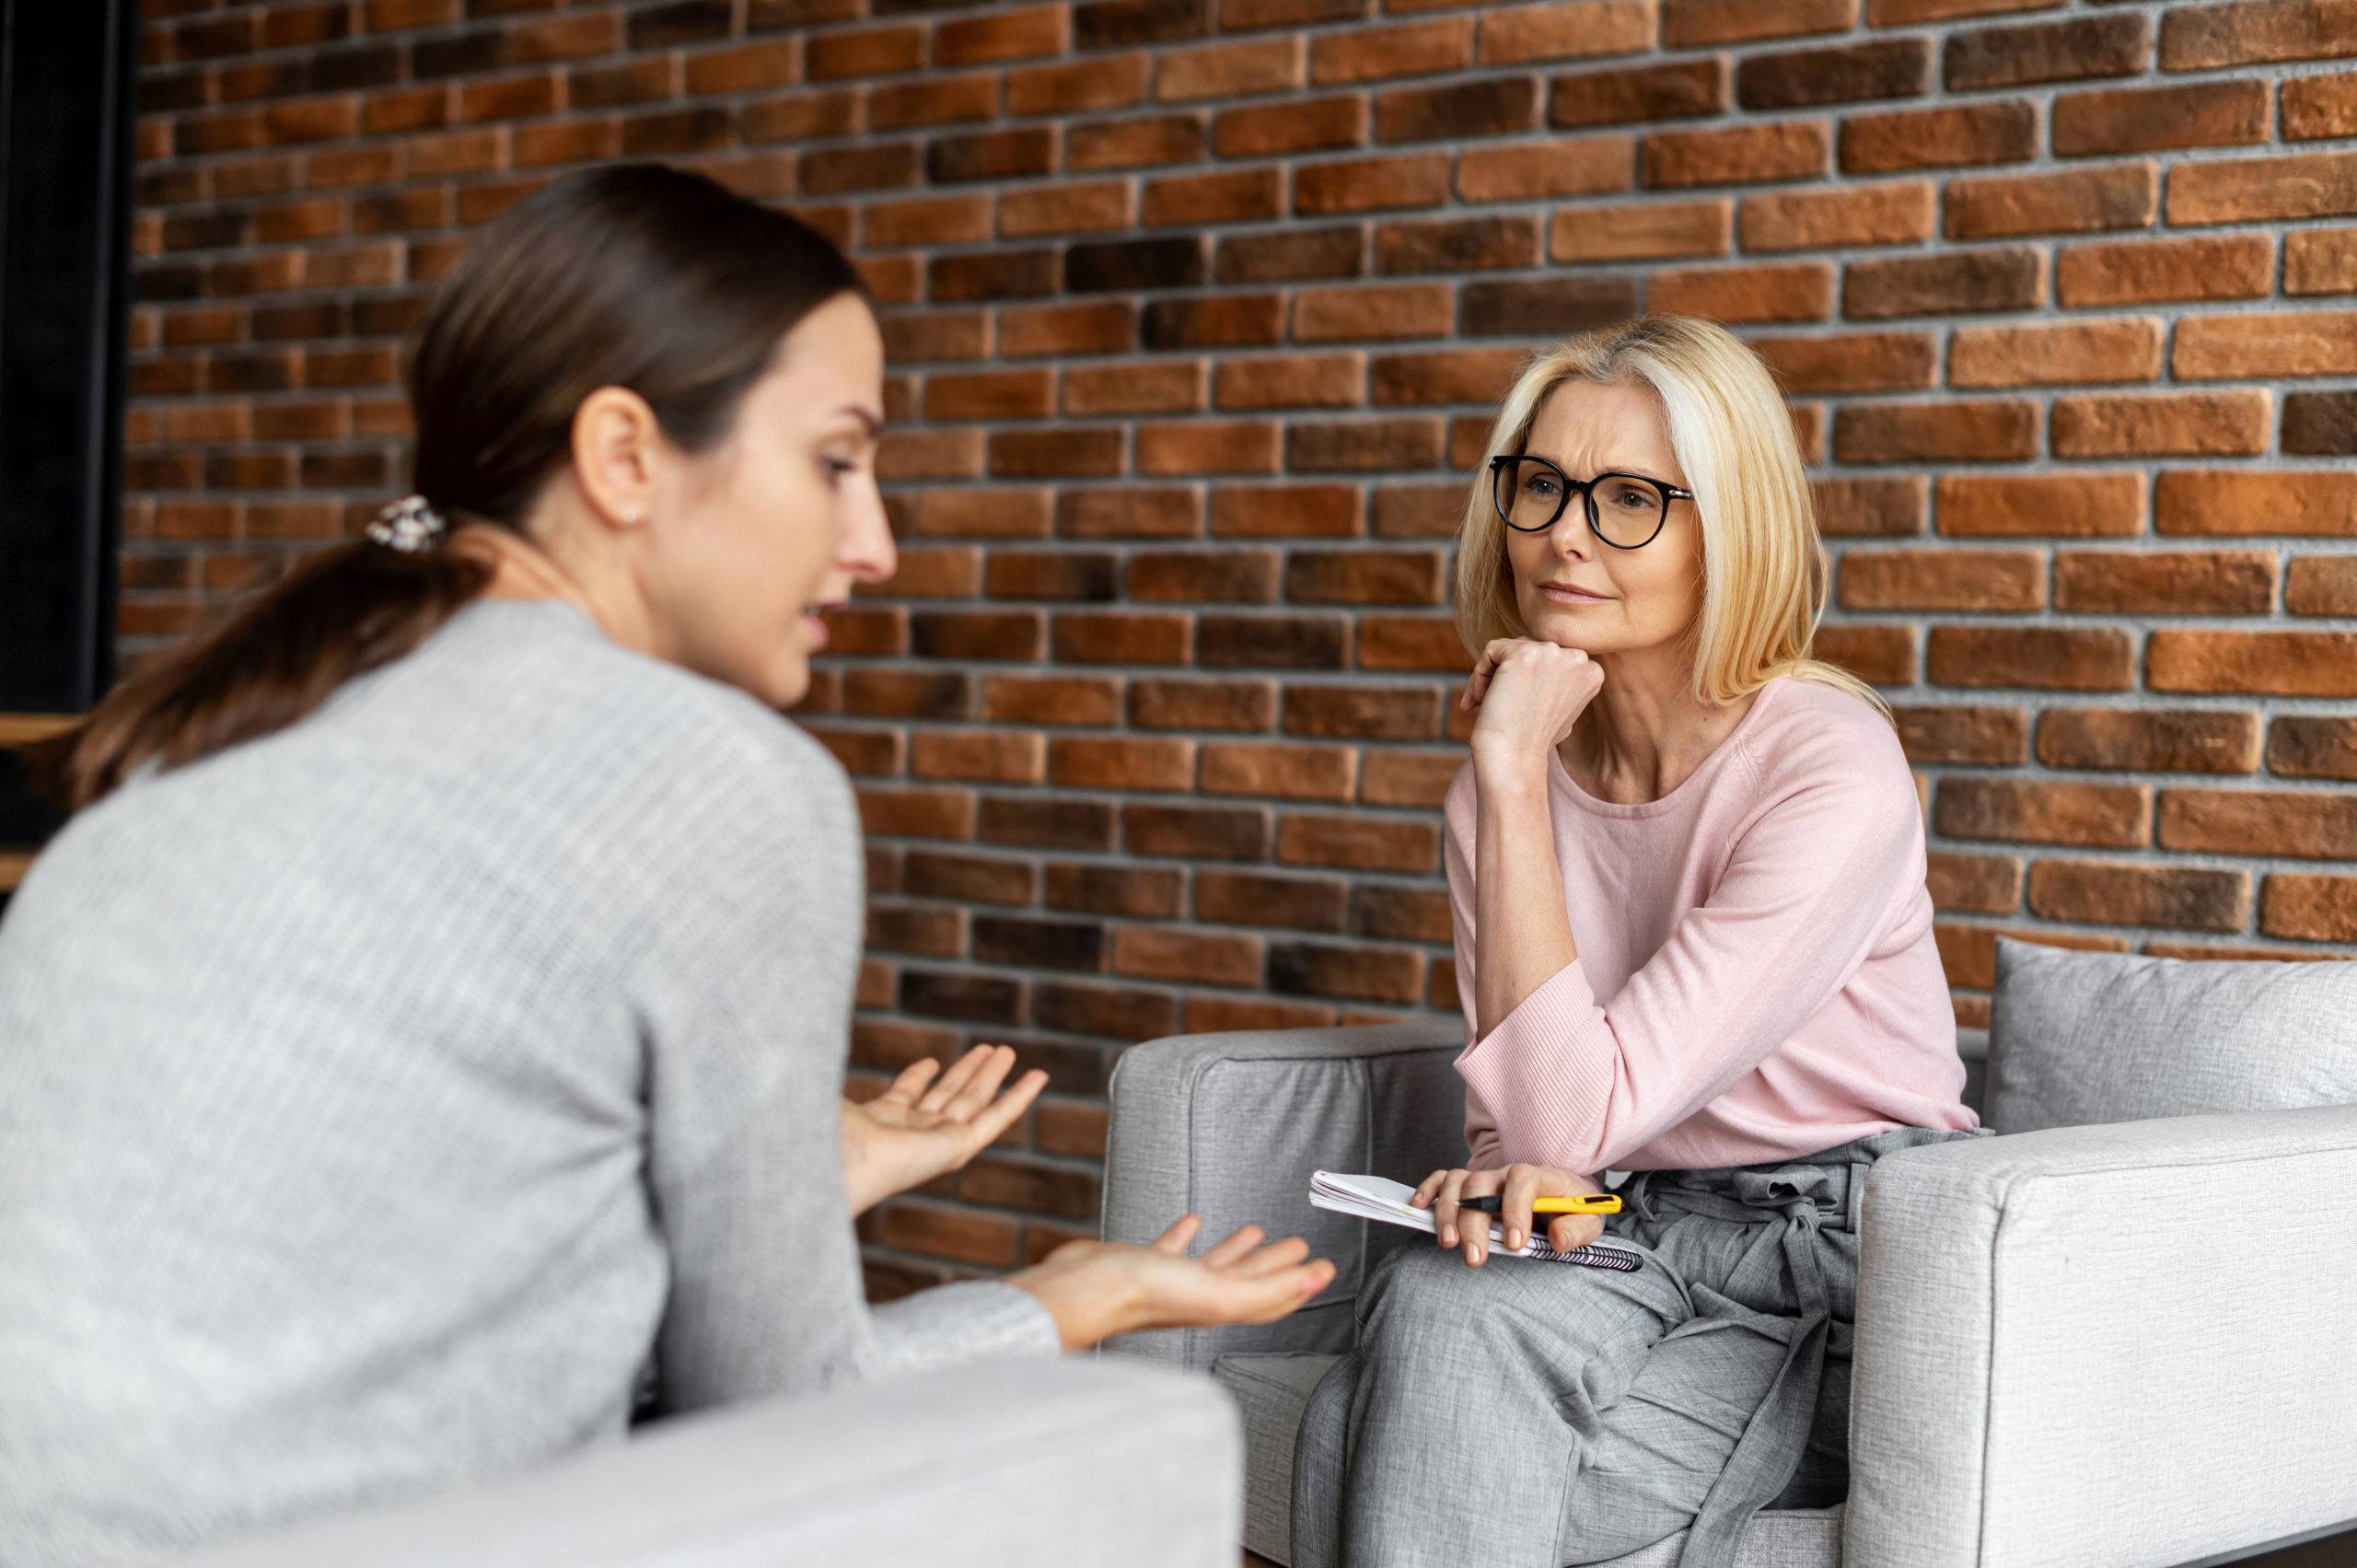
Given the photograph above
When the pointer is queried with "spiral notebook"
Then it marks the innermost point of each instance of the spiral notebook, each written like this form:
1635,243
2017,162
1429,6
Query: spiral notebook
1379,1198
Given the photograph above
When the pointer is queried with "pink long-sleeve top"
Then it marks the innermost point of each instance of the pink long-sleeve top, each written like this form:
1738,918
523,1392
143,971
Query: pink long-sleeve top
1756,977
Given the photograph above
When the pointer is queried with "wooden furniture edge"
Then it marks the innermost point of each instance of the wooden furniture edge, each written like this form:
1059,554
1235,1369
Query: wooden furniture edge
24,730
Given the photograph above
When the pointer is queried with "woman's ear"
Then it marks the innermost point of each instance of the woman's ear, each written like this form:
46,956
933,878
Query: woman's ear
615,451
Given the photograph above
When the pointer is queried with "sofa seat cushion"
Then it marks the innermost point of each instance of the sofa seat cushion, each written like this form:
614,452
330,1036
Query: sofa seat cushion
1272,1390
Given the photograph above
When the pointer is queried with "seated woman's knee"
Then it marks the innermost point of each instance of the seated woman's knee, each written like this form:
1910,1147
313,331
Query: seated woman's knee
1427,1284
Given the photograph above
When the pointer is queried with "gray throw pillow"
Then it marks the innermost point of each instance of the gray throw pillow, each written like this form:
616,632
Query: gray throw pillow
2078,1037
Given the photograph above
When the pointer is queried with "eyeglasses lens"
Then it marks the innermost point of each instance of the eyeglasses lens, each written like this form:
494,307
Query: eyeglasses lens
1532,494
1628,511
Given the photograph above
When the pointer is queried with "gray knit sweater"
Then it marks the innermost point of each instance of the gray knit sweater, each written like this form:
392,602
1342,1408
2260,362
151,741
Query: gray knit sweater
375,1096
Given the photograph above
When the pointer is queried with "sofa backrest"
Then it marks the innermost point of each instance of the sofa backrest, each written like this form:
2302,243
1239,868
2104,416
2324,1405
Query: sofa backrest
1973,1046
2079,1037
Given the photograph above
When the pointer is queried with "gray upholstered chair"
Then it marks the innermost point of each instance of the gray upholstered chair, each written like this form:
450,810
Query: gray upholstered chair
1014,1463
2121,1333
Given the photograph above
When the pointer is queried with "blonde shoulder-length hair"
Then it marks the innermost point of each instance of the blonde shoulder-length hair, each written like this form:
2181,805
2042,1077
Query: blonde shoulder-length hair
1764,568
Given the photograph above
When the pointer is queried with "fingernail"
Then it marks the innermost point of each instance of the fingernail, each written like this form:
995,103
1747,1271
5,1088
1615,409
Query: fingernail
1514,1240
1448,1236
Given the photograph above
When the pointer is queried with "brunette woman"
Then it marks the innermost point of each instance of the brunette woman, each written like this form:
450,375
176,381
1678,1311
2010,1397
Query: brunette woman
430,1029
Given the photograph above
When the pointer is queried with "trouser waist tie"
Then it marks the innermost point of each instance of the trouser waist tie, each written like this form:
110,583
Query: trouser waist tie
1805,1198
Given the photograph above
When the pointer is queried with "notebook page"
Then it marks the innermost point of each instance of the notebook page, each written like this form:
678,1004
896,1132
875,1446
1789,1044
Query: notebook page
1380,1198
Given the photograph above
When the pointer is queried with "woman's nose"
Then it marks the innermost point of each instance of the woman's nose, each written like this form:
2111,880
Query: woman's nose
869,553
1571,536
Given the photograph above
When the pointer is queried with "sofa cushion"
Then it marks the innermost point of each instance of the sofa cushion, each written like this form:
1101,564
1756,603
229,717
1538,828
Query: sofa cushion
1230,1126
1272,1390
2079,1037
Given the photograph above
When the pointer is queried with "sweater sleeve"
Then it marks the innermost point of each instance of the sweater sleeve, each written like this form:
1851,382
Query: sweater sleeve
1456,859
1578,1081
746,1001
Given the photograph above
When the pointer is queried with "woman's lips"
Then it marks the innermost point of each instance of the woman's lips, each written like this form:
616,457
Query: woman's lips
1572,595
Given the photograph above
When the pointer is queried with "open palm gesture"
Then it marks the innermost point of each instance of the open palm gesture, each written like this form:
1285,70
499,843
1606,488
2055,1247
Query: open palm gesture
1094,1289
930,1123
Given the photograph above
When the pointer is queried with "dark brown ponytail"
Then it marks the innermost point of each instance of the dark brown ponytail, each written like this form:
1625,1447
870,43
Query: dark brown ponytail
633,275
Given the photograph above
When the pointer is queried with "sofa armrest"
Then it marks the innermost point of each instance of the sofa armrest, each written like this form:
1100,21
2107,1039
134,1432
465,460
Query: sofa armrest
2108,1344
1229,1126
999,1465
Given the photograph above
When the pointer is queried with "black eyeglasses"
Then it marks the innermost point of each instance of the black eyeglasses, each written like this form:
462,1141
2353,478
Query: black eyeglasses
1624,510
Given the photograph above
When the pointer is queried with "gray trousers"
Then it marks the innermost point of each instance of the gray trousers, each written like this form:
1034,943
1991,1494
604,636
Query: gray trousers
1529,1414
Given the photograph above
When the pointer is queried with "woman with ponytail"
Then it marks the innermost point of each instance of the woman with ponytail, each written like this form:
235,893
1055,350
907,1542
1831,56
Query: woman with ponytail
423,1049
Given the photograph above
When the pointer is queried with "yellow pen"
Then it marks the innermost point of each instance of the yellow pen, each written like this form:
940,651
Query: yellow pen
1585,1203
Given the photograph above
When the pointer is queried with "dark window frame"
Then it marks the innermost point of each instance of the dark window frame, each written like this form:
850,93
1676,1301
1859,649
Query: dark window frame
69,85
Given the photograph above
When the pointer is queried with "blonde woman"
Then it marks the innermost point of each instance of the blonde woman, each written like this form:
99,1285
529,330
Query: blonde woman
1693,943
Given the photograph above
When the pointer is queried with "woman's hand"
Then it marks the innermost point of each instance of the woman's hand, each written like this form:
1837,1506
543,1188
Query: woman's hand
921,1128
1529,693
1442,1190
1097,1289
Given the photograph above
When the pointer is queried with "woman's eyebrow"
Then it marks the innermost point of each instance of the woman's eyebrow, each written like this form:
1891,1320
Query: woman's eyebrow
868,419
1636,468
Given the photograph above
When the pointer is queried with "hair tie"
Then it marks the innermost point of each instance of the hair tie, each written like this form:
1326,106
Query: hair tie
409,525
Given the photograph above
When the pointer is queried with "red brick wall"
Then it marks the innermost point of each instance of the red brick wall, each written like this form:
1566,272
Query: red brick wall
1196,309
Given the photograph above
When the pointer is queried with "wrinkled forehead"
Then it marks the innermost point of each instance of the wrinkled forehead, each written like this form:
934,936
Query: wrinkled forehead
1590,427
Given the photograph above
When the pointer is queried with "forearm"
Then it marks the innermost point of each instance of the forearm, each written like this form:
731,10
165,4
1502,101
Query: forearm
951,1325
1522,933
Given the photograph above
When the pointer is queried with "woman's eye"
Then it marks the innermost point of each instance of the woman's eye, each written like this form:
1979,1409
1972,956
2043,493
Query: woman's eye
1540,486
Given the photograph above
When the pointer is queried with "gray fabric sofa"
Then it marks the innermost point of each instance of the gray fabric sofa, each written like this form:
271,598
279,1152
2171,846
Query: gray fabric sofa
1018,1464
2121,1336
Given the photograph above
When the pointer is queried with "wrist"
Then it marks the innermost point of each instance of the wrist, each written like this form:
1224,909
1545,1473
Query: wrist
1088,1301
860,1194
1126,1296
863,1186
1510,763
